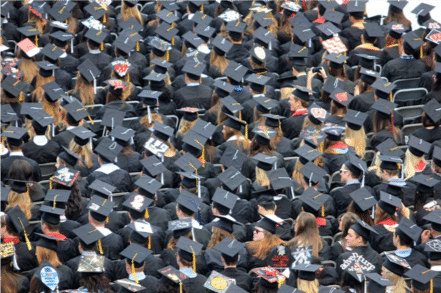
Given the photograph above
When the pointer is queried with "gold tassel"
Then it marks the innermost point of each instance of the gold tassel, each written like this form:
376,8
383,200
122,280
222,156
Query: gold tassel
180,287
36,40
128,77
55,202
323,211
390,96
107,220
104,19
28,243
246,131
421,52
102,46
20,99
133,268
431,285
150,242
202,8
167,56
194,259
90,119
280,281
202,157
137,46
146,215
173,41
280,126
50,182
100,246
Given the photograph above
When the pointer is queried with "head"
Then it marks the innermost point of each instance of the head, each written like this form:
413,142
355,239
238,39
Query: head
353,239
296,103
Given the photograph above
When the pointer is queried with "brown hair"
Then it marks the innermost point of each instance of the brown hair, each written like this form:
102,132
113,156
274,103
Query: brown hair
145,120
307,233
22,200
83,151
261,248
339,73
186,126
242,144
217,236
219,61
10,278
43,253
94,282
85,90
172,242
129,12
381,215
28,69
364,216
398,17
385,124
347,220
427,122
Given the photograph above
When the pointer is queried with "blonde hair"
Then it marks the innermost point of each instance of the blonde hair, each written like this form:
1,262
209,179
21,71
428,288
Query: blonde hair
29,69
376,167
85,90
40,24
23,200
52,108
43,253
400,284
219,61
83,151
129,12
186,126
296,173
261,177
308,286
357,140
410,162
261,248
285,92
145,120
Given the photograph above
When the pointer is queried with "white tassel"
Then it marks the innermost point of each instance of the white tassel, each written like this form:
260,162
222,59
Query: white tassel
14,262
240,188
112,123
199,187
309,43
162,178
269,46
373,212
149,114
53,130
71,46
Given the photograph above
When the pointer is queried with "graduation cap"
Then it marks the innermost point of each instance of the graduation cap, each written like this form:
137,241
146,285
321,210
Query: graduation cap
95,36
431,24
232,178
273,120
89,72
333,132
4,196
389,162
82,135
217,282
373,30
47,241
279,179
418,146
422,277
356,6
150,98
258,82
434,36
190,114
29,48
363,199
76,111
363,229
188,163
199,17
264,134
190,203
7,252
61,38
142,231
369,76
65,176
180,227
148,186
91,22
336,60
167,16
161,66
235,123
195,144
224,198
121,67
258,55
389,203
434,249
265,162
88,234
397,6
17,221
262,19
408,230
235,28
304,33
263,37
131,24
264,104
12,87
52,91
135,255
223,89
192,40
99,208
233,157
122,135
313,201
155,146
312,136
138,205
269,223
436,156
204,31
96,10
288,289
325,289
112,118
368,61
396,264
129,286
52,52
8,115
412,40
46,68
298,55
341,98
235,71
390,148
124,44
307,272
131,3
173,274
14,134
270,277
433,110
384,108
230,105
225,223
156,79
167,32
355,119
333,16
396,29
91,264
425,184
188,249
229,15
57,198
28,31
194,69
153,166
307,154
302,92
328,30
48,276
377,283
221,46
108,149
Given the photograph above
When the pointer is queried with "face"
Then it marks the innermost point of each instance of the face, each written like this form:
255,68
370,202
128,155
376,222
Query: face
352,240
224,131
344,174
258,233
293,102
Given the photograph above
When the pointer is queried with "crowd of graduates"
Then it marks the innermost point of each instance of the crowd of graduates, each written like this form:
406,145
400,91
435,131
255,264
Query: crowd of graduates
219,146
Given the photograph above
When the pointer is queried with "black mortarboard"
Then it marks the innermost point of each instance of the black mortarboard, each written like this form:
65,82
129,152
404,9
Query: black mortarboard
331,84
225,223
258,82
389,203
269,223
96,36
88,71
50,214
313,200
356,6
298,54
193,69
341,98
377,283
204,31
397,6
224,198
150,98
148,185
16,220
384,107
302,92
153,165
130,3
194,143
112,118
324,289
355,119
129,286
264,104
369,76
328,29
48,276
221,46
100,208
396,264
162,131
390,148
263,37
229,247
425,183
304,33
122,135
200,17
190,114
273,120
29,108
124,44
61,38
166,31
408,230
312,173
363,229
234,122
223,88
235,71
434,249
279,179
52,91
235,28
76,111
206,129
131,24
233,157
307,154
156,79
189,201
192,40
161,66
135,254
367,61
11,86
436,155
373,30
46,241
412,40
8,114
57,198
28,31
396,29
363,199
4,196
95,10
422,277
232,178
108,149
230,105
88,234
188,249
82,135
14,135
422,10
336,60
262,19
356,165
418,146
307,271
333,16
167,16
265,162
389,162
333,132
52,52
188,163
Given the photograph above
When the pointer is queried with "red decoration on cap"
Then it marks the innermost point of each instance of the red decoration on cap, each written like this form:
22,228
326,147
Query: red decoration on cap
117,84
342,97
318,112
436,37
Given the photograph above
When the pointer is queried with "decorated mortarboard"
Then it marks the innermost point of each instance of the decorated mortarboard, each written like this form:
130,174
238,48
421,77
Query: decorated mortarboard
313,201
113,118
232,178
48,276
333,132
312,136
7,252
397,6
121,67
29,48
153,165
390,148
88,234
389,203
396,29
425,183
235,71
91,22
355,119
52,91
188,249
341,98
279,179
217,282
412,40
143,230
108,149
167,16
396,264
130,286
259,55
384,107
95,35
173,274
363,229
418,147
233,157
181,224
229,15
434,36
91,264
96,10
159,46
100,208
363,199
422,277
431,24
377,283
434,249
270,277
224,198
221,45
156,146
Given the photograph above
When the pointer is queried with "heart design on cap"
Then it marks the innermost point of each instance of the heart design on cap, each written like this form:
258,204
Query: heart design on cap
341,97
318,113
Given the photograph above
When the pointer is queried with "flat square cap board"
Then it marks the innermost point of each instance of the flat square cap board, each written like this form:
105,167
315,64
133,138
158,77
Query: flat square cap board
88,234
153,165
113,118
363,199
235,71
108,149
222,44
225,198
232,178
233,157
136,253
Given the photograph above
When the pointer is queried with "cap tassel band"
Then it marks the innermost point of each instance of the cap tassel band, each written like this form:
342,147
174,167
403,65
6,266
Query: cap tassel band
50,182
194,259
146,214
102,46
36,40
323,211
55,202
28,243
150,242
133,268
137,46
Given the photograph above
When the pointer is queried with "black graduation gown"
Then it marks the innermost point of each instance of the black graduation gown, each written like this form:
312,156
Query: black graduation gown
389,53
249,166
83,168
362,102
353,34
429,135
75,262
333,162
285,208
152,265
417,257
69,63
329,228
150,283
6,164
362,49
194,96
26,258
285,147
403,69
116,221
23,285
243,280
157,239
342,199
240,94
119,178
158,217
130,162
194,284
292,126
368,124
64,138
42,154
237,53
367,253
383,240
117,105
112,245
100,60
382,136
66,277
336,250
213,260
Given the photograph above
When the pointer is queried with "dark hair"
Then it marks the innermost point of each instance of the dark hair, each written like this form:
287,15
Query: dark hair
73,206
421,199
21,170
222,209
427,122
95,282
266,202
166,96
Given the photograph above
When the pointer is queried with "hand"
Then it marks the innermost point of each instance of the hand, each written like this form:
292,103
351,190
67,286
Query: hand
356,91
323,74
425,236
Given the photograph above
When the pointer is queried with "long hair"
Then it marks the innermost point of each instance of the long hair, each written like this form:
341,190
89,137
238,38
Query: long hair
381,215
28,68
385,124
84,152
308,286
364,87
421,198
339,73
43,253
284,26
52,108
35,287
242,144
357,140
285,92
94,282
365,216
215,104
129,12
85,90
400,284
6,100
172,242
41,80
338,111
127,150
9,278
40,24
23,171
261,177
347,220
217,236
307,233
398,17
296,173
155,117
427,122
261,248
410,162
22,200
186,126
74,204
221,117
219,61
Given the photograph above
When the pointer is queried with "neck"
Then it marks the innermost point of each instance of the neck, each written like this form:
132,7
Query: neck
98,225
229,267
402,247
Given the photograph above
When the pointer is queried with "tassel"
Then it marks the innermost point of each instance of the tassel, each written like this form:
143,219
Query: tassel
280,126
102,46
55,202
146,214
20,99
173,41
323,211
202,8
50,182
373,212
390,97
150,242
194,259
28,243
105,19
280,282
107,219
149,114
246,131
167,56
202,157
431,285
36,40
137,46
128,77
133,268
100,246
421,52
180,287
